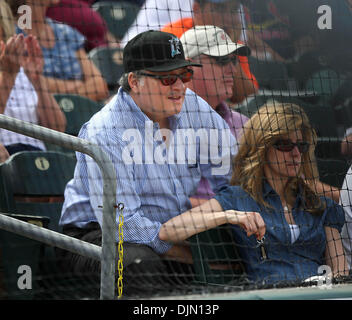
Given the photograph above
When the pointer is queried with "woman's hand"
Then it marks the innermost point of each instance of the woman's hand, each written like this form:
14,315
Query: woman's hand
33,61
11,54
251,222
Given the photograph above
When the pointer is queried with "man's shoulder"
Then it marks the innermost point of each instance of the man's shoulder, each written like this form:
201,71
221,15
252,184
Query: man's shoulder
110,118
199,111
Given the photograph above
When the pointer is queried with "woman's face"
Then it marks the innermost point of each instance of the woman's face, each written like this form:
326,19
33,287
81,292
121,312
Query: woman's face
284,157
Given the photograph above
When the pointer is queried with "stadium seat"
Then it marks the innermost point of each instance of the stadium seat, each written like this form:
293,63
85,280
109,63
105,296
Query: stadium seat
332,171
322,117
307,65
34,182
109,62
118,15
269,74
77,109
324,82
18,252
213,248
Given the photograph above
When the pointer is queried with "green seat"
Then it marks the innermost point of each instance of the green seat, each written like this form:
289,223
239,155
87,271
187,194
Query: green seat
17,252
332,171
324,82
109,62
321,116
77,109
212,249
308,64
269,74
34,183
118,15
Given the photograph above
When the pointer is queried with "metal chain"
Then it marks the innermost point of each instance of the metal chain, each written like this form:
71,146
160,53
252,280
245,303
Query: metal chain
120,207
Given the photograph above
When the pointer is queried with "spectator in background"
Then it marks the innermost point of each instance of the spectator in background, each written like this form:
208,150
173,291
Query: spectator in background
24,92
268,31
213,48
224,14
268,201
154,14
346,203
137,2
79,15
346,143
66,66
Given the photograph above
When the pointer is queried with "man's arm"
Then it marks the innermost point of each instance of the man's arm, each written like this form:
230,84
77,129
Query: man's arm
138,226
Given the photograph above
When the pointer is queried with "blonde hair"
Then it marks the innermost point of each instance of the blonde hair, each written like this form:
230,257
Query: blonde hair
7,22
272,122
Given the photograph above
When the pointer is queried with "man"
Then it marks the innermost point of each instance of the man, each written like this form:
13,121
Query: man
161,138
224,14
213,48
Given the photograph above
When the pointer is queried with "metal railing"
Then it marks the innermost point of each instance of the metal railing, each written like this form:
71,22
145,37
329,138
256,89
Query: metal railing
106,253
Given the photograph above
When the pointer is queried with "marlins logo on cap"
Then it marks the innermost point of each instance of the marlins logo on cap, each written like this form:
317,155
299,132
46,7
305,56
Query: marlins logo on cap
175,46
156,51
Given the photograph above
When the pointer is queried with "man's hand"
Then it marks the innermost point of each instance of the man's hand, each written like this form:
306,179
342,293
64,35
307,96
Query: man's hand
3,153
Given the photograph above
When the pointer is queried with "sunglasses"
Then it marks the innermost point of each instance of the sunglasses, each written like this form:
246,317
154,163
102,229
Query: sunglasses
225,60
170,79
286,145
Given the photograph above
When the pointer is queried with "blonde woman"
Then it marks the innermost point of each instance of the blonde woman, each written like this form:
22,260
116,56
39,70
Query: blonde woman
24,93
67,68
284,230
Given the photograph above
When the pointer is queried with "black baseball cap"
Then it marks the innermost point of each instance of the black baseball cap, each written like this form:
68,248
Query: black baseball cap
155,51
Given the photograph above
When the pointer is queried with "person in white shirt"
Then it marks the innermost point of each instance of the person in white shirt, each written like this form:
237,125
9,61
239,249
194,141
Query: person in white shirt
346,203
154,14
23,90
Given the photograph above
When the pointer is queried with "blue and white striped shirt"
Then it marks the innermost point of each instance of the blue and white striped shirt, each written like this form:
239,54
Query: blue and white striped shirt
153,183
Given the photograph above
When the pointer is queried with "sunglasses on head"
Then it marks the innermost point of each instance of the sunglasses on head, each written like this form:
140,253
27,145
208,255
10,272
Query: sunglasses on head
286,145
225,60
170,79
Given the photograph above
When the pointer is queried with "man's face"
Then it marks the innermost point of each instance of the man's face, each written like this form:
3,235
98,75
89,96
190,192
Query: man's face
159,101
214,81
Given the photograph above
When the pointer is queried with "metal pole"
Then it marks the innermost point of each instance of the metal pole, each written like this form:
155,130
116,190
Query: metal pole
108,256
49,237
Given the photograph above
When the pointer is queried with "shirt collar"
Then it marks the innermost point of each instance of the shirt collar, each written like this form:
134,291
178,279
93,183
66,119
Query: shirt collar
224,110
267,190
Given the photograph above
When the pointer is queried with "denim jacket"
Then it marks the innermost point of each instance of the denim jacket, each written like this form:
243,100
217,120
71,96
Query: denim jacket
286,261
